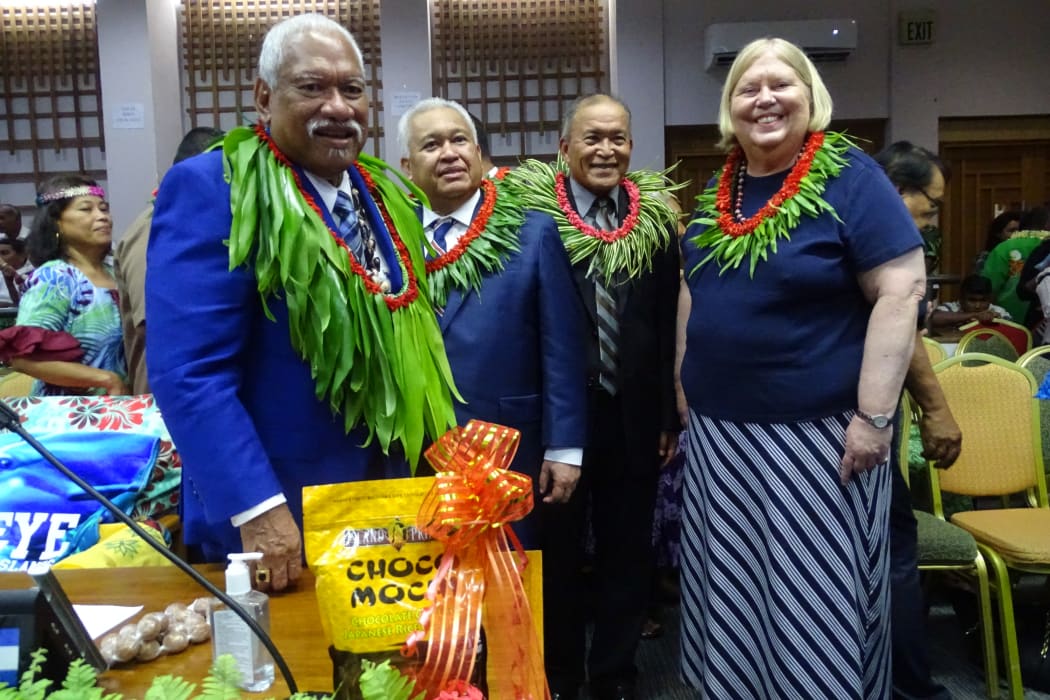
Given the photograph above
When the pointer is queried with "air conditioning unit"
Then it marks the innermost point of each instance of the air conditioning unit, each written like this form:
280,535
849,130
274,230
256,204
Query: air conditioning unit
821,39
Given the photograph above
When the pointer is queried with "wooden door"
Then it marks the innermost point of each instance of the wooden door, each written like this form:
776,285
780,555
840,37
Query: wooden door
996,163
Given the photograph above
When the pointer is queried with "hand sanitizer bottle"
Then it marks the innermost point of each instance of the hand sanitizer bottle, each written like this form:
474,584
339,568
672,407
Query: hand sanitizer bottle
231,635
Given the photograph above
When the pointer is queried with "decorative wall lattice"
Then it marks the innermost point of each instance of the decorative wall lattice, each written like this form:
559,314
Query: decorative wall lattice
517,64
220,51
52,103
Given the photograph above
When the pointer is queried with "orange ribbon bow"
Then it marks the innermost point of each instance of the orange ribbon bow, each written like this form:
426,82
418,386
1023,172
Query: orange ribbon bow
469,508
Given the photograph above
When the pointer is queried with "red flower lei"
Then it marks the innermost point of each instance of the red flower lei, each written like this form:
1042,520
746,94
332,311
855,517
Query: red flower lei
724,198
560,184
477,226
393,301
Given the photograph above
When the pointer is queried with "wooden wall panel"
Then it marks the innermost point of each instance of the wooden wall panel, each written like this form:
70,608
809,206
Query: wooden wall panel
52,101
516,64
220,54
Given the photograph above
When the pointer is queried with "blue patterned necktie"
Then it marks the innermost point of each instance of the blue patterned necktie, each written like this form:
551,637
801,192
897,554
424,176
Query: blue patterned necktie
602,214
440,229
346,219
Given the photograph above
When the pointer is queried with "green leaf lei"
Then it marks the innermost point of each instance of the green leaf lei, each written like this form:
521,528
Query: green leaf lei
474,255
377,358
729,251
533,183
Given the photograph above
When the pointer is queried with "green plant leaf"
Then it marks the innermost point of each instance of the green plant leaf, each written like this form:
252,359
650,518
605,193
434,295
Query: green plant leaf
384,682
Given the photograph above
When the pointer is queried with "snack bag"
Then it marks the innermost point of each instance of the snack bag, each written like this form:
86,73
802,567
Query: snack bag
372,567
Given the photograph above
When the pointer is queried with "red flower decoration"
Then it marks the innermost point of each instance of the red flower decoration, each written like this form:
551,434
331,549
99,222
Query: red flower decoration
633,205
724,198
393,301
477,226
460,689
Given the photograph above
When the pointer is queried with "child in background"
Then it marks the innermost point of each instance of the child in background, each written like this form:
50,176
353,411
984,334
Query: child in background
975,304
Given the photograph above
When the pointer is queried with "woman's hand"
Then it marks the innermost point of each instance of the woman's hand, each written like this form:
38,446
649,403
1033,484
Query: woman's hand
866,448
115,385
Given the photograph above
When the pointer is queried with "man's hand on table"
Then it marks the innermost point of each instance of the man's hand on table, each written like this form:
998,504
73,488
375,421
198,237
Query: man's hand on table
277,536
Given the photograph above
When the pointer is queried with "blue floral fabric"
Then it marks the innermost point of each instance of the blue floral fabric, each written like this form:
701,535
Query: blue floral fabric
59,297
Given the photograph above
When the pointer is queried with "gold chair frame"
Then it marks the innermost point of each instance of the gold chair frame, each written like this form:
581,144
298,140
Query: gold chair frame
978,568
982,334
1018,326
971,475
934,350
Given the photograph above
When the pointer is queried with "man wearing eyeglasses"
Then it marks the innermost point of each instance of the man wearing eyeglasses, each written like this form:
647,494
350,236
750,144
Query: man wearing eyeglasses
919,176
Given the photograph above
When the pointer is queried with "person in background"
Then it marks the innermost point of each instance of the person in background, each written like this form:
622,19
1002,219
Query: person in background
261,396
1038,261
15,267
999,229
920,177
1006,263
619,232
787,486
490,169
975,304
11,222
130,268
67,334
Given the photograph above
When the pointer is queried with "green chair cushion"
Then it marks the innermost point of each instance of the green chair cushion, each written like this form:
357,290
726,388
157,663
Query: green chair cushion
941,542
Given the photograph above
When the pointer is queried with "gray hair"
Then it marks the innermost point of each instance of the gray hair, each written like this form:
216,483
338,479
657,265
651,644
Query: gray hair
575,105
271,55
404,123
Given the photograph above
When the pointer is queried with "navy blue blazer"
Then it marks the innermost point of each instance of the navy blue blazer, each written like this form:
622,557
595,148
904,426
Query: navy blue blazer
237,399
518,351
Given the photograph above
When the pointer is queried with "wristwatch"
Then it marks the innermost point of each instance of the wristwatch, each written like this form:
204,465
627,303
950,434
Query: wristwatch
877,421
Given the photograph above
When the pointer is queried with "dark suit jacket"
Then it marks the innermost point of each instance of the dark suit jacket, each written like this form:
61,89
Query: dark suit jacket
646,395
237,399
518,353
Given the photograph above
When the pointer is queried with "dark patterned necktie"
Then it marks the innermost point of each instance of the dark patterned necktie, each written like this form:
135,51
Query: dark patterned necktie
603,215
346,219
439,231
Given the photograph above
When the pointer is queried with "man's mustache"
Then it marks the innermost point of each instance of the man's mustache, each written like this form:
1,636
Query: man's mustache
314,124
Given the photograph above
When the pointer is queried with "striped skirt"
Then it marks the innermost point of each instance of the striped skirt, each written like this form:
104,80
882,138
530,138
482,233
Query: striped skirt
785,573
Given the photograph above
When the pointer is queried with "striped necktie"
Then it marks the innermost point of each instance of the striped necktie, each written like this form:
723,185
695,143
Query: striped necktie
346,219
603,214
439,231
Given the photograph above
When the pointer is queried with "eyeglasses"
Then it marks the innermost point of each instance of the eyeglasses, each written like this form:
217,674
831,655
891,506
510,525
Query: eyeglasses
935,203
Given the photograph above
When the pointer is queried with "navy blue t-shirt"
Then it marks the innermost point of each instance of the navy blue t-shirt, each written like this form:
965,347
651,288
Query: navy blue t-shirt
787,344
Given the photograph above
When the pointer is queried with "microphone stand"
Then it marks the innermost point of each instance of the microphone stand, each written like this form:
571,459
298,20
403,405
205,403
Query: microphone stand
12,421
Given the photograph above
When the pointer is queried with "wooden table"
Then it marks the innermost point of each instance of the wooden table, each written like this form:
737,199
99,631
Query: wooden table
295,624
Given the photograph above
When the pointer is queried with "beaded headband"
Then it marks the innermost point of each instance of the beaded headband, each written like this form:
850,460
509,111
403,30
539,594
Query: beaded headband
70,193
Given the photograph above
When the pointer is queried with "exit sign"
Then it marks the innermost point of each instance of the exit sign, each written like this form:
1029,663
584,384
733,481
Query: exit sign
916,27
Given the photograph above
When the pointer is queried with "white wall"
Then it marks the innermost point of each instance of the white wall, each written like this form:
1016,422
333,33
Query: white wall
988,59
859,86
138,61
405,39
637,76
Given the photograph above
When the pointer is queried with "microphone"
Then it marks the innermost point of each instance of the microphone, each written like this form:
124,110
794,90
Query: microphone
12,421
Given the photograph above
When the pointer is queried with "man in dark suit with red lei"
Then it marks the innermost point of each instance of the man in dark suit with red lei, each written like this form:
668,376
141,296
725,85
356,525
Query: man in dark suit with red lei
618,231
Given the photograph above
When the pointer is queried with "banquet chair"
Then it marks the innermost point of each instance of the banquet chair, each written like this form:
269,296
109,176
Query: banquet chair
1037,361
943,546
1021,335
987,341
993,403
934,350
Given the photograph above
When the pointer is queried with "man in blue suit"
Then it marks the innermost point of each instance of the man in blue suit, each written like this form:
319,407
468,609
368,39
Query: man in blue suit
261,291
511,321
